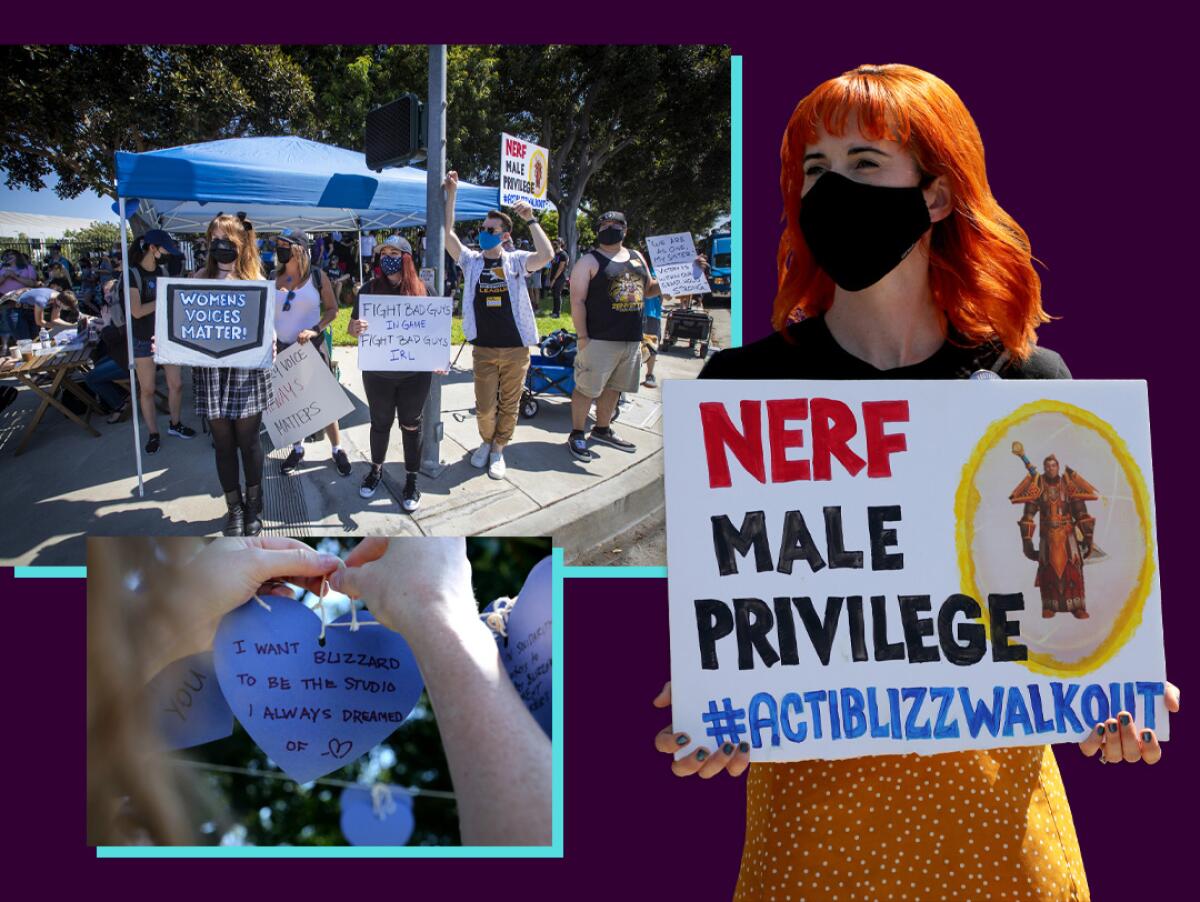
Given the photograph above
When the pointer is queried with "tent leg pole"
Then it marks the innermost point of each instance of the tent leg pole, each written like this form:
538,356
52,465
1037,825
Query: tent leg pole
133,385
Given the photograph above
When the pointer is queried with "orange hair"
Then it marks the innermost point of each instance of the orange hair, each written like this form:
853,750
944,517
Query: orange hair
981,270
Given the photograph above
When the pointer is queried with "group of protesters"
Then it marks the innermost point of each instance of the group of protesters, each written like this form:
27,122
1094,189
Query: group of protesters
615,304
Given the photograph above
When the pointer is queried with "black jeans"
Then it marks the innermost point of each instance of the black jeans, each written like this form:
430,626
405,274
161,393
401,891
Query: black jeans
392,397
557,290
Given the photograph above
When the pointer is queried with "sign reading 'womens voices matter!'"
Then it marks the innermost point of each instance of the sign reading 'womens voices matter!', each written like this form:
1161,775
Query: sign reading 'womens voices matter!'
884,567
313,707
215,322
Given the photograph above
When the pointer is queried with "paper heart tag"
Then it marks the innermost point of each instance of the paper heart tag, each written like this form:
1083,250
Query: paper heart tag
526,645
365,824
188,707
313,709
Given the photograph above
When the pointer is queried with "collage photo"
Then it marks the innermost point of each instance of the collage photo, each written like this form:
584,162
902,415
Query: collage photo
665,461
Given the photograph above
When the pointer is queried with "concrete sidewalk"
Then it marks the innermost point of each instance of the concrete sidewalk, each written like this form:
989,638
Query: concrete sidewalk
69,485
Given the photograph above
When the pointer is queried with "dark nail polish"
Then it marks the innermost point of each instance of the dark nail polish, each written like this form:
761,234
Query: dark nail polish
1112,727
1124,720
743,746
701,755
727,748
682,739
1147,736
1100,728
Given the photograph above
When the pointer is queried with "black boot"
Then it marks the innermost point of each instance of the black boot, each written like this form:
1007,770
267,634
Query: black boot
254,508
235,519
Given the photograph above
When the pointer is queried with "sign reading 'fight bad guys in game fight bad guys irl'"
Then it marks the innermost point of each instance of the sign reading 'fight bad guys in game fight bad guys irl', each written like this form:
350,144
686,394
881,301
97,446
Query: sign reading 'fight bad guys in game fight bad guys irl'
864,568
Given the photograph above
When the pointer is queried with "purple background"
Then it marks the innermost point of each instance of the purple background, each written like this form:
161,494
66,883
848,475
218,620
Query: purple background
1088,120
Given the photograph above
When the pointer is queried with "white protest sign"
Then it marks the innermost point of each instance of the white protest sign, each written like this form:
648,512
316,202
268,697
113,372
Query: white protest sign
214,322
675,266
524,172
305,395
404,333
883,567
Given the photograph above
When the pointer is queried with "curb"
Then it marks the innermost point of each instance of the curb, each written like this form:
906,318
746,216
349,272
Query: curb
588,519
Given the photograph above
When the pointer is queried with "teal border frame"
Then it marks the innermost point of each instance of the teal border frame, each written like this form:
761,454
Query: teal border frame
735,199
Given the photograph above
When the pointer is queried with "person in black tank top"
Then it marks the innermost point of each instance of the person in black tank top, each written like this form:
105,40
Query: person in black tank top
148,258
608,288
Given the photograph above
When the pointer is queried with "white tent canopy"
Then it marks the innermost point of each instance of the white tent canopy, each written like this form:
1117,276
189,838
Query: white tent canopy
37,225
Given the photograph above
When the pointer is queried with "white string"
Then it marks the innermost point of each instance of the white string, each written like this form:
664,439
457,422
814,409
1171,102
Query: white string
321,605
323,781
382,803
263,603
353,625
497,619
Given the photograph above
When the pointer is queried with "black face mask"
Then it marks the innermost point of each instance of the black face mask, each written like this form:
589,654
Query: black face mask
859,233
611,235
223,250
283,255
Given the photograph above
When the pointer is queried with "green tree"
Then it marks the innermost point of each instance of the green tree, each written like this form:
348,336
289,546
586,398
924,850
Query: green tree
69,109
95,235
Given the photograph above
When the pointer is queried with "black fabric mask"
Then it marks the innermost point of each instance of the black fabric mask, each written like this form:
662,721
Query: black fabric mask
610,235
223,251
859,233
283,255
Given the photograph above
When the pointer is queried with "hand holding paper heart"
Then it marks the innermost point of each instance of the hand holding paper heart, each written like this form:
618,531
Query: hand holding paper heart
413,586
222,575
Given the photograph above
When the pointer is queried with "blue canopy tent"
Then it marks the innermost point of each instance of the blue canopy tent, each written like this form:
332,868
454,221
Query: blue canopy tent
278,182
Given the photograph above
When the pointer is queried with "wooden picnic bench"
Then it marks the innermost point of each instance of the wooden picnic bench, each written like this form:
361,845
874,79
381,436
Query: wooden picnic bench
60,365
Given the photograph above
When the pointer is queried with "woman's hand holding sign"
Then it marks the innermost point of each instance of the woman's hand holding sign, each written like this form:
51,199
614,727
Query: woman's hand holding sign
357,327
734,759
1117,739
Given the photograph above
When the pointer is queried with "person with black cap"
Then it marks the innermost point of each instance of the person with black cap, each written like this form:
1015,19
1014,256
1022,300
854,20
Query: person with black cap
498,320
304,308
608,287
394,395
54,261
147,255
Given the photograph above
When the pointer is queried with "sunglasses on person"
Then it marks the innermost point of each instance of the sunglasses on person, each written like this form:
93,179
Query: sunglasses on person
287,301
494,230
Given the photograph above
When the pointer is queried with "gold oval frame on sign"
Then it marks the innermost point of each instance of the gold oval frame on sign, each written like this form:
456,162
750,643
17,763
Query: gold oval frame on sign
966,506
545,182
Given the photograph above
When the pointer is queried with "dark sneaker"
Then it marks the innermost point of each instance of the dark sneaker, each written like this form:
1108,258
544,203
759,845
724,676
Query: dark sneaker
153,443
181,431
342,462
293,460
607,437
411,499
370,482
577,443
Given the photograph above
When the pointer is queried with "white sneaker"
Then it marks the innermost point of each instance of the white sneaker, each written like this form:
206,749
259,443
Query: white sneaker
496,465
479,457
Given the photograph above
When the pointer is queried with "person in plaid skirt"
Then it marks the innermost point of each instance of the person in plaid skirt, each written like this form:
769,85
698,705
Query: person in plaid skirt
231,398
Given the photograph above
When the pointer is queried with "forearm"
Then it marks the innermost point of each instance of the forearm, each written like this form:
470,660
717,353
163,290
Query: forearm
544,250
453,245
579,316
499,758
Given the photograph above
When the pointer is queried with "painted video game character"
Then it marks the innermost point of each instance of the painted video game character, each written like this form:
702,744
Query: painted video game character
1059,501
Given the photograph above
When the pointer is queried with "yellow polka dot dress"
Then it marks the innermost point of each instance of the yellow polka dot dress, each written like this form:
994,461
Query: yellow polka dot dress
967,825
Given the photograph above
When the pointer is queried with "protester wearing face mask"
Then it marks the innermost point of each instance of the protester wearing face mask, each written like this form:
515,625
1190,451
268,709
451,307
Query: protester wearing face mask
304,308
57,266
498,320
233,399
609,286
392,395
896,262
148,258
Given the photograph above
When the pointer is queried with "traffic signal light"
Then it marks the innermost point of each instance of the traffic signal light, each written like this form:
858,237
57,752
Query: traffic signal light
396,133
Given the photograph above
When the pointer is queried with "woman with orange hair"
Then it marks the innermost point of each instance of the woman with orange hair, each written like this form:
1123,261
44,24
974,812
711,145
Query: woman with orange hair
896,262
233,399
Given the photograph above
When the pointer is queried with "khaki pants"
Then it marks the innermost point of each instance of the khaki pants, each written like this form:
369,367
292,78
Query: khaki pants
499,383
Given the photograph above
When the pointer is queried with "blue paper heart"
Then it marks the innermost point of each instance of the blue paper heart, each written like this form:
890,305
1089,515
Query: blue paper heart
313,709
188,706
526,646
363,826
